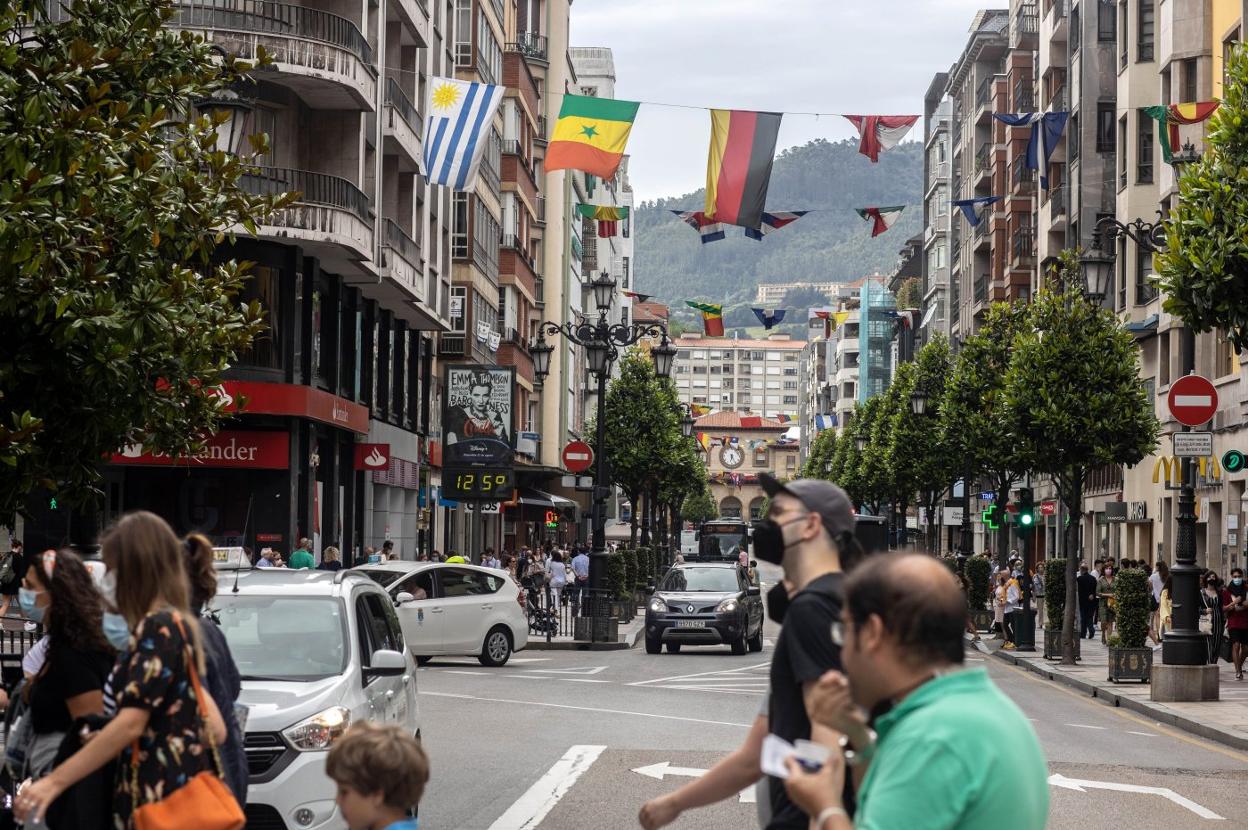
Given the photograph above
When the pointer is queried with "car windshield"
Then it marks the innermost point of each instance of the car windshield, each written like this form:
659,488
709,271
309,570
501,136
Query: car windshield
722,545
700,579
382,576
284,638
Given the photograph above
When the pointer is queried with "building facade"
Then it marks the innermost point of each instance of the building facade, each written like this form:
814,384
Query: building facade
739,447
759,377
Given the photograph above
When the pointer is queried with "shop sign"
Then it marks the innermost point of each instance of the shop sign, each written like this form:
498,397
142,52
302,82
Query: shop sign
256,398
232,448
1137,511
1115,512
1048,508
372,456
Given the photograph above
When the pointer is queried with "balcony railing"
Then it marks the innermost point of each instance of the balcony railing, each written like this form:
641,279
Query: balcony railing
513,147
397,98
1058,9
452,345
398,239
1024,242
983,158
1026,21
541,208
313,189
541,129
1057,203
1022,173
529,45
983,93
275,19
981,288
1024,98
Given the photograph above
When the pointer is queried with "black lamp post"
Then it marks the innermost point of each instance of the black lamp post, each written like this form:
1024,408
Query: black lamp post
686,420
602,341
229,109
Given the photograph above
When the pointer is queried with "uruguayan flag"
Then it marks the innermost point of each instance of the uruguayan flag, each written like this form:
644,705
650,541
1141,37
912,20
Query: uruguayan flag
457,128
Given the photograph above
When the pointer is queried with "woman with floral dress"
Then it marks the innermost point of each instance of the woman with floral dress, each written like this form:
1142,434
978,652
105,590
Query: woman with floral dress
157,709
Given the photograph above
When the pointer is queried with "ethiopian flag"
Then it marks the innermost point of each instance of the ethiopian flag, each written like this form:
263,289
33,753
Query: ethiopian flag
1170,117
590,135
712,317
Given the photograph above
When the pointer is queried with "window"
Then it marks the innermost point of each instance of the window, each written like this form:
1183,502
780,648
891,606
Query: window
1190,82
265,287
624,271
1122,152
760,458
459,227
1228,46
1144,157
489,55
1144,292
1073,139
463,32
756,508
1122,33
1074,30
457,582
1105,127
459,319
1163,357
1144,41
790,400
1106,23
1223,360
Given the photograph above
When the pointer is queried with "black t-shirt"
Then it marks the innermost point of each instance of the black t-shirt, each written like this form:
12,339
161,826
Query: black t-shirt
803,653
69,672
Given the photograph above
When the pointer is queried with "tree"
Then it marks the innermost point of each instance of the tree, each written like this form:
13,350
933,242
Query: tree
922,462
910,294
1204,269
974,424
821,452
862,470
118,322
803,297
895,403
699,507
1075,401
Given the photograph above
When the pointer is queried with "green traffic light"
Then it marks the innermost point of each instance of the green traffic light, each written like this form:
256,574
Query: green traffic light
1025,519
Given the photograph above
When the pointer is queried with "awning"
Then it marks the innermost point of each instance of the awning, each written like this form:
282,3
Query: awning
542,499
1144,326
927,318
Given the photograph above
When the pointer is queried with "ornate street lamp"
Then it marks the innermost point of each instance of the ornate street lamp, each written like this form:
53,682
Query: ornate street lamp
686,422
860,442
603,287
229,109
918,402
1097,266
598,356
540,351
1184,157
663,355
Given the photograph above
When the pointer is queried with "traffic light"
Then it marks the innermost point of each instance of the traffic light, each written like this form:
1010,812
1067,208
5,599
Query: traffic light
990,518
1026,507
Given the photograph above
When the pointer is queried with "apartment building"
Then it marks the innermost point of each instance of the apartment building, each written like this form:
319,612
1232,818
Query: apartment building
937,184
750,377
354,279
771,295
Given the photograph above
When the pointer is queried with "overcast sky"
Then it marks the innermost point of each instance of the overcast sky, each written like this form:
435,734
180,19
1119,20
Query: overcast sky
778,55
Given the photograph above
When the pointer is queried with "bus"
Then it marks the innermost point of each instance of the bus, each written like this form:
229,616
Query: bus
723,540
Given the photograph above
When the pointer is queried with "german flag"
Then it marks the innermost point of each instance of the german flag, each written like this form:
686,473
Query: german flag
590,135
738,170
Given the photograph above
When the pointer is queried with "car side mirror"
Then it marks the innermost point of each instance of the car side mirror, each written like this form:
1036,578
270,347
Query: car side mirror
386,663
753,591
403,597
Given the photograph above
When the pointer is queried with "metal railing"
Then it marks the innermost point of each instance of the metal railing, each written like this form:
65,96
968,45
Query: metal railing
397,98
529,45
541,129
983,158
452,345
1024,242
1024,98
399,240
313,188
1026,20
1057,202
1058,9
273,18
981,288
1022,173
983,93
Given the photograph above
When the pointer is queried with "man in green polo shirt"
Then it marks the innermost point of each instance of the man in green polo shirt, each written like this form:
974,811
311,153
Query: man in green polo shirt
953,751
301,558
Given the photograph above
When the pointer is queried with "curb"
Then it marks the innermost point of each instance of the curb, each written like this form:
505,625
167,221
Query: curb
1193,726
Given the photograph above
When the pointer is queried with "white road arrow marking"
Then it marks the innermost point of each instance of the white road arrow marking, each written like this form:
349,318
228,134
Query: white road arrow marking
1080,785
663,768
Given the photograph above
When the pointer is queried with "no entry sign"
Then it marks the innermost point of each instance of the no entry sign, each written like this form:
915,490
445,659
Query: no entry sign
1192,400
577,457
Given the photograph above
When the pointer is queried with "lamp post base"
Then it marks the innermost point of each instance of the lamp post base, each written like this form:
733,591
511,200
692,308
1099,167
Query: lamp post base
1184,683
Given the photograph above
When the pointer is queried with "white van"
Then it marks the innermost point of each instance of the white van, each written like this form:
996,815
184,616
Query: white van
317,651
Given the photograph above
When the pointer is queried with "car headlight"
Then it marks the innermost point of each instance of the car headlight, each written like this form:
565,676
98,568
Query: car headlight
320,731
658,606
727,606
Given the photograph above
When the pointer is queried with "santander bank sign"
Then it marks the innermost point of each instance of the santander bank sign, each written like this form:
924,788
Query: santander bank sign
249,449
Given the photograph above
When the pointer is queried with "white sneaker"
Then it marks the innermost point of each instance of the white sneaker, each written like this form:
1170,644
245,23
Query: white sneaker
30,626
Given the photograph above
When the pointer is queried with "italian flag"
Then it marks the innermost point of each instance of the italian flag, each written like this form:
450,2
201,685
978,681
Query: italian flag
882,218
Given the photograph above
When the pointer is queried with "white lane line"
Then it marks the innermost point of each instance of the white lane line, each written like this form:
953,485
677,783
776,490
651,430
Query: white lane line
527,676
582,680
1084,726
699,674
457,671
529,810
584,709
1142,734
531,659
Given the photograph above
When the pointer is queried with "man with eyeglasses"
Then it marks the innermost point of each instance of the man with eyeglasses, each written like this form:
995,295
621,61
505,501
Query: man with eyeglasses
952,752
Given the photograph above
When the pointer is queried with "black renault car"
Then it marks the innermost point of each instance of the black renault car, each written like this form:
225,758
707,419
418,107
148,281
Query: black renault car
705,604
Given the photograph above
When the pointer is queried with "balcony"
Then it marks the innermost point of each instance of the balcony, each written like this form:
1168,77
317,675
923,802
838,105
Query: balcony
514,351
1022,176
521,85
516,265
983,101
1024,97
981,288
983,162
1057,205
402,126
1057,18
518,171
321,56
541,130
1023,245
331,216
452,345
531,46
1026,26
415,13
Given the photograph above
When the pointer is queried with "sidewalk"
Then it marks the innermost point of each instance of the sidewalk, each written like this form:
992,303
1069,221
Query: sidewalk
630,632
1224,720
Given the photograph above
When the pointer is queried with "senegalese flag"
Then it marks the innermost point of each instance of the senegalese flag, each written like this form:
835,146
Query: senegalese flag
608,217
590,135
712,317
1169,118
882,218
738,168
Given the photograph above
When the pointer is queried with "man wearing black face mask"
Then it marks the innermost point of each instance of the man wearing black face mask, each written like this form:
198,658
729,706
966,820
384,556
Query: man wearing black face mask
809,531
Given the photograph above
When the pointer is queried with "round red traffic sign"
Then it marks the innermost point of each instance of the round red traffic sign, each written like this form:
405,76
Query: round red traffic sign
578,457
1192,400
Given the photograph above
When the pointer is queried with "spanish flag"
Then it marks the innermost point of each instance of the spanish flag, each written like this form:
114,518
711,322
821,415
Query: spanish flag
705,441
590,135
1170,117
712,317
738,170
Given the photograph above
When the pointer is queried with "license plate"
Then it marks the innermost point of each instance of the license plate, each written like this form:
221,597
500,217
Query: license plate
691,623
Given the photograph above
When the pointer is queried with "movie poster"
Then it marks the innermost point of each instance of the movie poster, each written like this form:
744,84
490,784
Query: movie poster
477,410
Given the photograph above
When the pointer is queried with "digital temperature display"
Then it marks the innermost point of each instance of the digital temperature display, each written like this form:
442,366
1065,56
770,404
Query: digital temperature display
486,484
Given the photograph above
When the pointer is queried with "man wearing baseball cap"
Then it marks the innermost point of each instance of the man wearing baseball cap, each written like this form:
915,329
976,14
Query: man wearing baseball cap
809,531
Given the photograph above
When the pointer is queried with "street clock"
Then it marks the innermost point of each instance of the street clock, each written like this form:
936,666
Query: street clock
731,457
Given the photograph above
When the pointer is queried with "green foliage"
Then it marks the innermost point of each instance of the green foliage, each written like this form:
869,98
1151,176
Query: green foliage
1131,611
617,575
118,322
630,572
645,568
859,477
820,458
830,244
978,575
910,294
1054,591
1204,271
919,460
699,507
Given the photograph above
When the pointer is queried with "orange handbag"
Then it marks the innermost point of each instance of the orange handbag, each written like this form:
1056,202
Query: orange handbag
204,802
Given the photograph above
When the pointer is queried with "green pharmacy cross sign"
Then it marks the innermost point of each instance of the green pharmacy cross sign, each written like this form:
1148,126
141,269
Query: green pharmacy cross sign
1233,461
990,517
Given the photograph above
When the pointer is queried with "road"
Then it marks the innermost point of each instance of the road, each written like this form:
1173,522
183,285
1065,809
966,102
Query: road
552,739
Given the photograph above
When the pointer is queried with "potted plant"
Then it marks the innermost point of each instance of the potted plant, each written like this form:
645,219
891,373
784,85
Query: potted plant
1055,608
1129,657
978,575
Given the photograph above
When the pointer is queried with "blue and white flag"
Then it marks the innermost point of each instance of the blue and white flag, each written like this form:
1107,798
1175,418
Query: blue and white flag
768,317
823,422
461,114
1046,129
967,206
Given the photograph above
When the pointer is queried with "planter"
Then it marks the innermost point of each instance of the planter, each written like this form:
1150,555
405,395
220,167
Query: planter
596,629
982,620
1130,664
623,610
1053,644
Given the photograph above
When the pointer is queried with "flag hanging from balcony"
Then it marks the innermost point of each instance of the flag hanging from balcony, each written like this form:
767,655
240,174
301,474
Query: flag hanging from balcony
738,168
708,229
1046,130
880,132
769,317
633,295
968,208
457,129
712,317
774,222
1169,118
590,135
882,218
699,409
825,421
608,217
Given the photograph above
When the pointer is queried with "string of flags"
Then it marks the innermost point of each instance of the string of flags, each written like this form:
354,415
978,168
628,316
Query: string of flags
712,230
712,317
882,218
769,317
1046,129
878,133
968,206
641,298
608,217
1169,118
